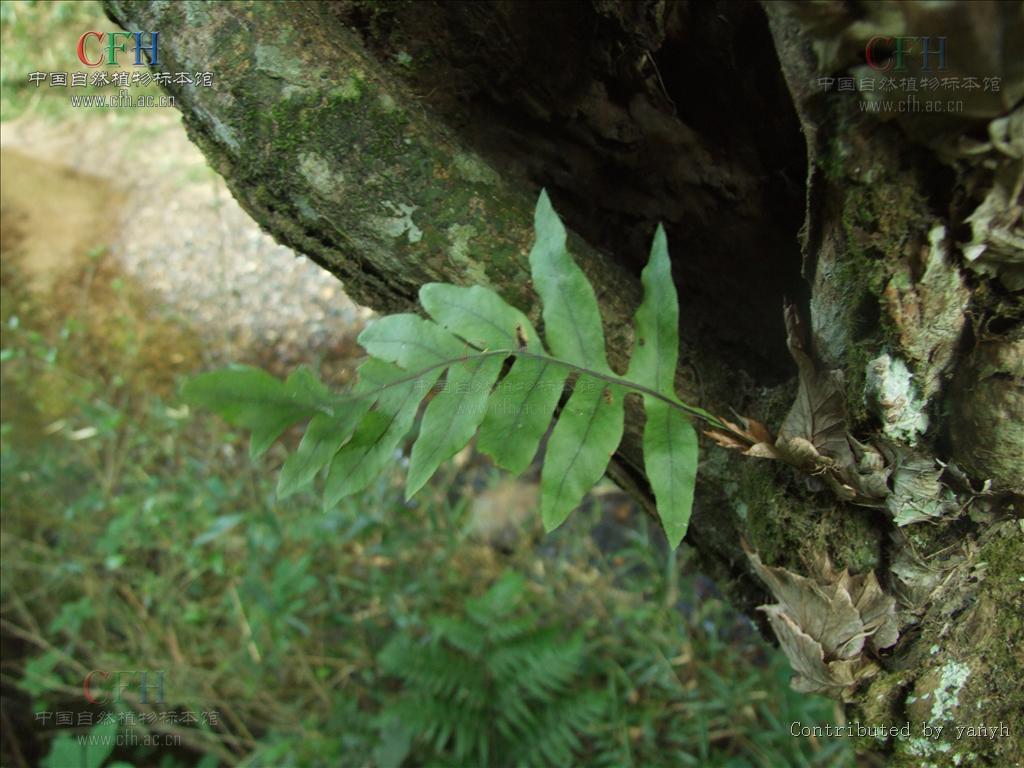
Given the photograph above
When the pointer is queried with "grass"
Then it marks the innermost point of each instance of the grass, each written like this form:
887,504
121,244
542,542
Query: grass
138,537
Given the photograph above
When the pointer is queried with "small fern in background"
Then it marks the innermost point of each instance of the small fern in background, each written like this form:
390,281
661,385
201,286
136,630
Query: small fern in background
472,336
492,686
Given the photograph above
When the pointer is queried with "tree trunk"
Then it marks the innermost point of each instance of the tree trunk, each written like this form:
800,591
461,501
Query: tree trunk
400,143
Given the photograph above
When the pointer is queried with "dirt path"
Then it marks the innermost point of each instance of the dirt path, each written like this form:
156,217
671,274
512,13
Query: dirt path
138,187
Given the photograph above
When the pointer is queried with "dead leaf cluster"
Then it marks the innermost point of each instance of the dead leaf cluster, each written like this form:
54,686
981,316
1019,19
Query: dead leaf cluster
928,311
996,246
826,622
813,438
813,435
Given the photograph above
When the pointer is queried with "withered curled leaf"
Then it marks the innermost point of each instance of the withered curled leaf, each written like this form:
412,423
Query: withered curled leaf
752,439
814,674
996,246
917,494
757,430
725,440
824,622
818,415
762,451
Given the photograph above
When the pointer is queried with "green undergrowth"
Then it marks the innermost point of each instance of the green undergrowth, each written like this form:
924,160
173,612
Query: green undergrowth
43,37
139,539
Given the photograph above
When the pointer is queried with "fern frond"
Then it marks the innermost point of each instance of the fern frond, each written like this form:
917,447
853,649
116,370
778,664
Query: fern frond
436,722
517,717
510,630
563,721
470,336
528,705
540,667
436,670
499,601
466,636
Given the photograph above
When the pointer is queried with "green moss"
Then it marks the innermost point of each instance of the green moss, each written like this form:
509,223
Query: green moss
883,706
856,542
971,675
351,90
1004,587
774,524
886,699
781,523
832,161
297,132
878,211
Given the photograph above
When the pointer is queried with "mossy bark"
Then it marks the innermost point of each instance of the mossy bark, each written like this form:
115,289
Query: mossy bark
401,143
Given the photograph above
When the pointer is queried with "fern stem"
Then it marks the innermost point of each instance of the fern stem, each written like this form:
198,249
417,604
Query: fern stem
691,410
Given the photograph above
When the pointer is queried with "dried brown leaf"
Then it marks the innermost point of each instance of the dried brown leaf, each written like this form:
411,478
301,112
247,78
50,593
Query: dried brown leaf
917,494
813,673
763,451
734,427
824,611
799,452
877,611
757,430
818,415
725,440
824,621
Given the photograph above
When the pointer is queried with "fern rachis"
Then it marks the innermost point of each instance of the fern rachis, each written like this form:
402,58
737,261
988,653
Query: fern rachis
470,337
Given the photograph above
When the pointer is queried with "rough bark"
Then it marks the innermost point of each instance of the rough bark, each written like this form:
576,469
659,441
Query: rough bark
401,143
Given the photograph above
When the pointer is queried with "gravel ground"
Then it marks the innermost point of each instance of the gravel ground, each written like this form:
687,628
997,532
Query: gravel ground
247,293
181,234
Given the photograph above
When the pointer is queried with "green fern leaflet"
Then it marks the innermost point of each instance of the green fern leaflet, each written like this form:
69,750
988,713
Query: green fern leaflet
493,686
472,336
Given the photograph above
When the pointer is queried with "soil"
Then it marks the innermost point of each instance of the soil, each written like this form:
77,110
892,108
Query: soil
138,191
